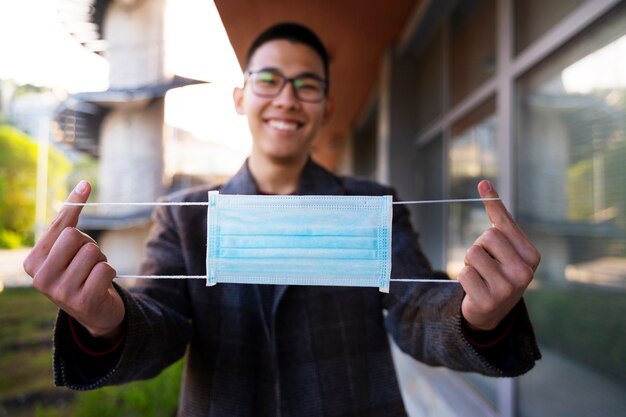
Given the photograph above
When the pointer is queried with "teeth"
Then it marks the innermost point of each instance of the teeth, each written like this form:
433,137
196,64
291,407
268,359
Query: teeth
281,125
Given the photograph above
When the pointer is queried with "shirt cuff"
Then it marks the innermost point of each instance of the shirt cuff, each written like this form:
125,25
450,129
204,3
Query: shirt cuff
490,338
90,345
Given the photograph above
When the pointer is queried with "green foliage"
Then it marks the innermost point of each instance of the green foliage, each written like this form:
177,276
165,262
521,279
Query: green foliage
41,411
580,185
615,169
579,189
156,397
583,323
10,240
18,181
25,342
25,370
85,168
18,159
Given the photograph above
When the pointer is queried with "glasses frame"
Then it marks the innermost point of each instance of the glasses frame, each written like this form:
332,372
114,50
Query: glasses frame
290,80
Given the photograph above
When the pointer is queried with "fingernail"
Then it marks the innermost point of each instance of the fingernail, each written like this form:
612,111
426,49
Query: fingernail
486,186
81,187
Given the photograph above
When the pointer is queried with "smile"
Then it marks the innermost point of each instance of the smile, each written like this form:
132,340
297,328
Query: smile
283,125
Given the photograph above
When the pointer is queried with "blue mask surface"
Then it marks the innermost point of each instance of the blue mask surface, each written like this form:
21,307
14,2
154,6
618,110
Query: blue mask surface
299,240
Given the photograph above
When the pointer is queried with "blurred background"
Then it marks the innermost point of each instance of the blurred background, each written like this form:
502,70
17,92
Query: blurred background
431,97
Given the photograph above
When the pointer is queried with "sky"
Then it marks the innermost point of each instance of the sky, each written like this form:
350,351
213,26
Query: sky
36,49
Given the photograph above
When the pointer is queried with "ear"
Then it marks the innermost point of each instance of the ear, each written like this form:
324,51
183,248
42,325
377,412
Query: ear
238,99
329,109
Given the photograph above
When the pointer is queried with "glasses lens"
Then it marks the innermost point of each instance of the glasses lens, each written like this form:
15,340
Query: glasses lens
309,88
266,83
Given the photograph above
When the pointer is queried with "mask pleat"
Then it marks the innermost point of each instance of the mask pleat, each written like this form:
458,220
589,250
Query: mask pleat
272,267
290,241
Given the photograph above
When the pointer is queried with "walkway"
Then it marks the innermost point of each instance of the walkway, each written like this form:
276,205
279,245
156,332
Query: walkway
11,271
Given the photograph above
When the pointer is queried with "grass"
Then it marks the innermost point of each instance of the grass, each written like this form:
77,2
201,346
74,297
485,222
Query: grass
157,397
580,322
26,388
27,318
584,323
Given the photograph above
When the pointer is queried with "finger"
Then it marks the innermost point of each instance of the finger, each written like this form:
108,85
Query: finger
99,285
93,305
103,304
488,269
473,284
510,263
100,278
496,210
497,245
67,246
63,287
503,221
61,254
479,304
67,217
81,266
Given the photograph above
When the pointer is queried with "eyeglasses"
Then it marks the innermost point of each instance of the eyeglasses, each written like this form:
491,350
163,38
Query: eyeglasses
269,83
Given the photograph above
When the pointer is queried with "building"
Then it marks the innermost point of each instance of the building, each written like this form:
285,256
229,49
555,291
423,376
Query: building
123,126
533,96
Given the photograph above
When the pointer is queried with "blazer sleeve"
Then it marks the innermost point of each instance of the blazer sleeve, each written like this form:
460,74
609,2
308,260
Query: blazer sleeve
425,321
157,320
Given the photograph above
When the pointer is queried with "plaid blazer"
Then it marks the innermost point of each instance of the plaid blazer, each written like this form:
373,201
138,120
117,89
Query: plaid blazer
287,350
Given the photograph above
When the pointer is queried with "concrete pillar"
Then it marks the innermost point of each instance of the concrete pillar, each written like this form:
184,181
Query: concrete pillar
131,156
135,32
131,136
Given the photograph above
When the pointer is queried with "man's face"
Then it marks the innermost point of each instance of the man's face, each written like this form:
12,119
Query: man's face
283,127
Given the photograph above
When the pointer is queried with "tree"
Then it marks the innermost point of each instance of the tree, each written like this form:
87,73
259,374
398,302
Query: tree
18,181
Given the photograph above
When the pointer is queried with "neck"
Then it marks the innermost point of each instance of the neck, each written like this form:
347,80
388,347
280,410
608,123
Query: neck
275,176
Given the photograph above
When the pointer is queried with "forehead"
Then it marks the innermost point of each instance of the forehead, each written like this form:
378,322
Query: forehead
290,57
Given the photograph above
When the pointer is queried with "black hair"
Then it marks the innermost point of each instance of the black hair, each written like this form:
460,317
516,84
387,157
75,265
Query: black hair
293,32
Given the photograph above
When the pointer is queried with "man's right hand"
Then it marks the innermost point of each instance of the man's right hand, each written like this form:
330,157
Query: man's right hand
68,267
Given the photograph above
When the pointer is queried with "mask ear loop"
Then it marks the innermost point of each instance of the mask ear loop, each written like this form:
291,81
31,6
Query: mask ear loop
202,203
196,203
454,200
437,281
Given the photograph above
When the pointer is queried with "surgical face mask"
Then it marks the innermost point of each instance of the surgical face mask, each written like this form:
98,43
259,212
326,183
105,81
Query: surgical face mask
299,240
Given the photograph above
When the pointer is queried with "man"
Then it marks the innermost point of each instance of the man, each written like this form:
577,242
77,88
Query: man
261,350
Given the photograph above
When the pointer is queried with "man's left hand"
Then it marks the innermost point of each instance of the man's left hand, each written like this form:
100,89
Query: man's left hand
499,266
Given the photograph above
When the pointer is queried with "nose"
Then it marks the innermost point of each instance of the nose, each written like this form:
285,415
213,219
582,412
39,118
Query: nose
286,98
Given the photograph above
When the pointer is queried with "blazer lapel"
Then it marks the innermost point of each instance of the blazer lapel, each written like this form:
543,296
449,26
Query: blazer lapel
315,180
241,183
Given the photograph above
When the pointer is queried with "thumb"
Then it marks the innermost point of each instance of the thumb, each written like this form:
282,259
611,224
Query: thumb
67,217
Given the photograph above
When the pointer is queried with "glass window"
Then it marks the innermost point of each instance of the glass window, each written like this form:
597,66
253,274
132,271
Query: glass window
472,46
535,17
430,187
430,82
472,157
365,143
571,201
